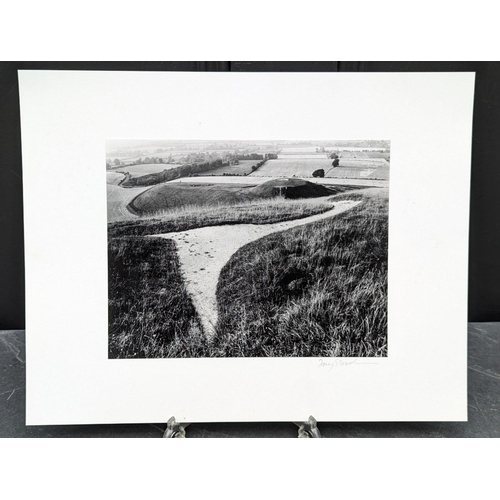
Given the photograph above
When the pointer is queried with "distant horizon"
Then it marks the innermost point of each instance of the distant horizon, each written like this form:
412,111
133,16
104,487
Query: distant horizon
116,146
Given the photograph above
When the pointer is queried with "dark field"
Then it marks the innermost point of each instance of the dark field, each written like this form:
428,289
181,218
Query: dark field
243,168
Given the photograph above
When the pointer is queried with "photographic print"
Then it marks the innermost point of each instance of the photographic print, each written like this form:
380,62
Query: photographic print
252,248
258,247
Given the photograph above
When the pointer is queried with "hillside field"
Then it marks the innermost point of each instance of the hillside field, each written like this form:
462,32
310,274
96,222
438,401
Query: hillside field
118,199
298,167
243,168
114,178
368,172
347,155
304,167
148,168
174,196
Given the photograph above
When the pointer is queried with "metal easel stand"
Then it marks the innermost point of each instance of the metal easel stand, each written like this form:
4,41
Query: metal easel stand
175,429
307,429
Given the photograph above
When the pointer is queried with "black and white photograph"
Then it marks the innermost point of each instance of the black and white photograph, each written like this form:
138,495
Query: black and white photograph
249,236
247,248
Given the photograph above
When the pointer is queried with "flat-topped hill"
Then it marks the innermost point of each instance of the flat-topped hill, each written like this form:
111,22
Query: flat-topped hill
291,188
170,196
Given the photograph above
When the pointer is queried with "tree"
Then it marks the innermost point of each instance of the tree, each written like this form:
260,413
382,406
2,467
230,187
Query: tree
117,162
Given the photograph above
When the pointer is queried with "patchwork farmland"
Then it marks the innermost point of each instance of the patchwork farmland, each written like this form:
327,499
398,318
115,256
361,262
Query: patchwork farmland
301,165
357,155
292,167
243,168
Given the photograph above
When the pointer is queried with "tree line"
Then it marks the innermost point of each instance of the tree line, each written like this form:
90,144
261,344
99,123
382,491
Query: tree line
189,170
191,158
173,173
141,161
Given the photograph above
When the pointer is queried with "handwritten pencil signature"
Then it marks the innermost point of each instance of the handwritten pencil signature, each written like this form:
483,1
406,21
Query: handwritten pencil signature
334,363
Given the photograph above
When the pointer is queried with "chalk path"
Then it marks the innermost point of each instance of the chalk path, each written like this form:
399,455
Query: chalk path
203,252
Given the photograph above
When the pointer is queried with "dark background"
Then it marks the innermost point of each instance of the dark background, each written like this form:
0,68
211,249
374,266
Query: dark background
484,246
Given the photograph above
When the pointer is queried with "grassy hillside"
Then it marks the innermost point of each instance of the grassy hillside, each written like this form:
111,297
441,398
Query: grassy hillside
173,196
293,189
165,197
150,313
317,290
265,211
